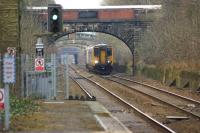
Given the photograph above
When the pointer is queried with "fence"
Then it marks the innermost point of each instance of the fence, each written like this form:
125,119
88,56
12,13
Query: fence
38,84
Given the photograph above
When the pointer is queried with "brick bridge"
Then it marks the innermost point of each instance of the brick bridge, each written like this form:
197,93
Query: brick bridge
123,22
126,23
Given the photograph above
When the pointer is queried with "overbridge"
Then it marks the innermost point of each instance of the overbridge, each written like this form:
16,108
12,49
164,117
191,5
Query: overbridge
126,23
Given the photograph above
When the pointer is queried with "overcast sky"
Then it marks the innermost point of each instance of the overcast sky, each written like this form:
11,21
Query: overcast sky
79,3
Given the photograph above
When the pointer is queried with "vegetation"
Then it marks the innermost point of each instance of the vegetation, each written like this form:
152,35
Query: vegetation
173,39
39,2
31,25
20,106
130,2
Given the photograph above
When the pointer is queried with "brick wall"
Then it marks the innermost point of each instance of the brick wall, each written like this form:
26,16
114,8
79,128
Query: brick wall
9,24
103,14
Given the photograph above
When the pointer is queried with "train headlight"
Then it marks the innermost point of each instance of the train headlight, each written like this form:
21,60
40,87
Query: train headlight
108,61
96,61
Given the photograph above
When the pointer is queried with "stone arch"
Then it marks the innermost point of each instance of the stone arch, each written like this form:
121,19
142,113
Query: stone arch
129,32
66,33
114,35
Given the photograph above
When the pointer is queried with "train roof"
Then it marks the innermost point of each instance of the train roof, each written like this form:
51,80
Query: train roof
101,44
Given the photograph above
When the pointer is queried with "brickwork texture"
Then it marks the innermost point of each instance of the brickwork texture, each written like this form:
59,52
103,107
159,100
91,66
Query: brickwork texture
9,24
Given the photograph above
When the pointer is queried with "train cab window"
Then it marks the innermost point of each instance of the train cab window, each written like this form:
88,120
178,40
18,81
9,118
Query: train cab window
96,52
109,51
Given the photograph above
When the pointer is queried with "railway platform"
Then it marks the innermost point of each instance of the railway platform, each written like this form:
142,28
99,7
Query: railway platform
69,116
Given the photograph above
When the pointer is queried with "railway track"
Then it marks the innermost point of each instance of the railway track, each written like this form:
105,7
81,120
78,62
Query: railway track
88,97
159,89
187,105
176,119
158,124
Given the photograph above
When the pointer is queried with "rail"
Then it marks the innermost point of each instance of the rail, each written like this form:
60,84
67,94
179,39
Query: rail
162,126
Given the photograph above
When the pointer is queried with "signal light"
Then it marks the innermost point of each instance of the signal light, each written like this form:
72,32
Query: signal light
54,18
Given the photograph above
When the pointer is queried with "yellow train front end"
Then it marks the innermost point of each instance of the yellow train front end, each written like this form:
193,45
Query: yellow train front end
100,59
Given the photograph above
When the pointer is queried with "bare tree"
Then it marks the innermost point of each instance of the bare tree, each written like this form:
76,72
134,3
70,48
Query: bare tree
31,24
174,39
130,2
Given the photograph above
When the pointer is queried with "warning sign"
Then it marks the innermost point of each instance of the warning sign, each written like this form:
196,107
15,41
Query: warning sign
1,99
39,64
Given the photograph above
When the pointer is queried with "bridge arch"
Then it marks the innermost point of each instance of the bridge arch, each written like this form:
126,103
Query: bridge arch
126,23
60,35
66,34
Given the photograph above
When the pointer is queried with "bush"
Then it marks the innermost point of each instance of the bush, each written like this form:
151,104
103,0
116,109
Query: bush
19,106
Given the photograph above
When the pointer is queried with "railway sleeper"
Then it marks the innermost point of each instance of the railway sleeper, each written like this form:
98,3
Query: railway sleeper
82,98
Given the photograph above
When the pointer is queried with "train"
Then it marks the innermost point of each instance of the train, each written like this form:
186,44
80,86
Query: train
99,58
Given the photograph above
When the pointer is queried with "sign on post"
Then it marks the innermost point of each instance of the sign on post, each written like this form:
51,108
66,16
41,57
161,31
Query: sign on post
11,51
39,64
9,73
9,69
1,99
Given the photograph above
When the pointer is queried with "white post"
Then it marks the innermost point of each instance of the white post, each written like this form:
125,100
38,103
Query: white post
53,70
7,107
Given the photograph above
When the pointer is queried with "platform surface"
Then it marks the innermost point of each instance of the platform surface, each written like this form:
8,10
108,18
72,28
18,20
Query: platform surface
69,117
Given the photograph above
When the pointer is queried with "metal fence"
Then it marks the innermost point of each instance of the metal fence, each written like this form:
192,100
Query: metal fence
38,84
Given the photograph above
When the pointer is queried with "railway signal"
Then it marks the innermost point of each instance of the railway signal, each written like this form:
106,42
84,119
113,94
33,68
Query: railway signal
54,18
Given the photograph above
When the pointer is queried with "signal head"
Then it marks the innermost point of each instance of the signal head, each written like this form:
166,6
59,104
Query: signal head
54,18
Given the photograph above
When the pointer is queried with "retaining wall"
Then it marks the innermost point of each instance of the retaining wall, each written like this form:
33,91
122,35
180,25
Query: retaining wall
171,77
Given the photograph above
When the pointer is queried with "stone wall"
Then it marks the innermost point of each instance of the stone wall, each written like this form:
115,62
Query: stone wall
171,77
9,33
9,24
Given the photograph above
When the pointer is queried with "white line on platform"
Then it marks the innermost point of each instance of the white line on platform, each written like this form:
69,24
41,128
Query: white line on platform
55,102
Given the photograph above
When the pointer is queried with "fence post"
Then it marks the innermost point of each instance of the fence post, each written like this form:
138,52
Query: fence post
26,73
22,75
53,60
67,78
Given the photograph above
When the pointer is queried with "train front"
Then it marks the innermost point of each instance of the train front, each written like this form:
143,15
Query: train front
103,59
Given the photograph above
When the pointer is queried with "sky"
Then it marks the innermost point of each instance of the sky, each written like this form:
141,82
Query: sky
79,3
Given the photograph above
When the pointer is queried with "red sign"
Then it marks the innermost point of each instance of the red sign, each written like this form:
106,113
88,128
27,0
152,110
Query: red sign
1,99
39,64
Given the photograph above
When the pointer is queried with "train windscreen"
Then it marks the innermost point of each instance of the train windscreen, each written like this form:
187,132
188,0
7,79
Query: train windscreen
109,51
96,52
